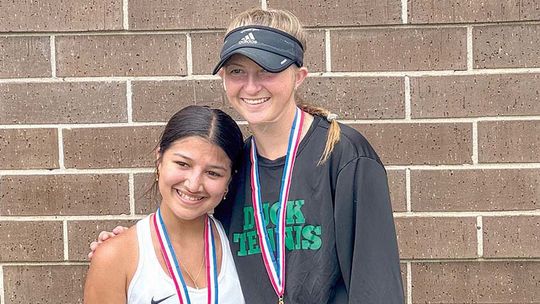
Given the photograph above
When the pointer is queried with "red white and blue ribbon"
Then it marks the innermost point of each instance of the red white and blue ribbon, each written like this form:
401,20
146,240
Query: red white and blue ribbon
275,263
174,267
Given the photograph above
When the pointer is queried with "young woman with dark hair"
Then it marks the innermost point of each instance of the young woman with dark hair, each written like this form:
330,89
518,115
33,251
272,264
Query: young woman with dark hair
179,252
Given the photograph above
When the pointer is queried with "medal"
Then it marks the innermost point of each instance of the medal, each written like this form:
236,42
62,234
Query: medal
173,266
275,263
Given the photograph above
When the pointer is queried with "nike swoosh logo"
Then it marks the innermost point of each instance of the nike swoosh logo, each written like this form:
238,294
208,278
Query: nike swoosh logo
161,300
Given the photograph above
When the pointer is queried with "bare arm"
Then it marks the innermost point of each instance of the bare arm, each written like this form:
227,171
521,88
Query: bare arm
111,270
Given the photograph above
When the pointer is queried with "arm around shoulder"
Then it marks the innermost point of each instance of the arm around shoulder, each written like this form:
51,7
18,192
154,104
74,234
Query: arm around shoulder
365,234
108,275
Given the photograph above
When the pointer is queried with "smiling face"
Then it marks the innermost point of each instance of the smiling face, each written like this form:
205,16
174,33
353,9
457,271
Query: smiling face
193,177
258,95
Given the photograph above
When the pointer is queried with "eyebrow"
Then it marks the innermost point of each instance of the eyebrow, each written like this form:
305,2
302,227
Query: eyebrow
211,166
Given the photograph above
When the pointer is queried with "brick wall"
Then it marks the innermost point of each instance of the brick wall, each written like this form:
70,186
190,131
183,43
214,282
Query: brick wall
447,91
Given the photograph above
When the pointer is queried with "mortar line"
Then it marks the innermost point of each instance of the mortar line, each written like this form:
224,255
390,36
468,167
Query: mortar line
409,283
327,51
213,30
57,218
460,214
71,171
189,55
61,162
475,142
129,101
460,260
2,295
84,126
70,263
470,57
125,14
408,189
480,236
404,13
367,74
53,55
264,5
407,93
433,214
66,240
464,120
68,171
131,194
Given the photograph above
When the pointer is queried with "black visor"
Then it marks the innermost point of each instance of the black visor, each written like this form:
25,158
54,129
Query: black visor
272,49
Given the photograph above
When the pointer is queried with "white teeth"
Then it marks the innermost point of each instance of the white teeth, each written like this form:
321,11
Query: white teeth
254,101
188,197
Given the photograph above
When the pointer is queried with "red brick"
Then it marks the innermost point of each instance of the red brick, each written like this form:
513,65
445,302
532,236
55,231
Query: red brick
59,15
71,102
71,194
475,96
505,46
398,192
116,147
31,241
158,101
509,141
476,282
342,12
28,149
475,190
398,49
469,11
171,14
512,237
33,62
121,55
436,237
357,97
147,199
44,284
82,233
420,143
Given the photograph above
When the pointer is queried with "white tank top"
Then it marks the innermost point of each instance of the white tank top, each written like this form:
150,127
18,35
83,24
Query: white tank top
152,285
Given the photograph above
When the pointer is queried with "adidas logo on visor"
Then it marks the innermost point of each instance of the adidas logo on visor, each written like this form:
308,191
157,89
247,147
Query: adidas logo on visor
249,38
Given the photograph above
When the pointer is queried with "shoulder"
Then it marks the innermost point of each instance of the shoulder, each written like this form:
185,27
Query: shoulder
111,267
120,247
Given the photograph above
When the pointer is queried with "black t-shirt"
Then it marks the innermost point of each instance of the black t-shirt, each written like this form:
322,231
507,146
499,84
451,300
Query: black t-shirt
340,236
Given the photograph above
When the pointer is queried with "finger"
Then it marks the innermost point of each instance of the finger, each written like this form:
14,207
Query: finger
119,229
93,246
104,235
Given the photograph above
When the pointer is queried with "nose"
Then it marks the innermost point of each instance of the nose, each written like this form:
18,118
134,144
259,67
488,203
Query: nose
253,84
193,182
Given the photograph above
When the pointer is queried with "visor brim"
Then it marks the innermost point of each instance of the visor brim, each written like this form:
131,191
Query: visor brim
269,61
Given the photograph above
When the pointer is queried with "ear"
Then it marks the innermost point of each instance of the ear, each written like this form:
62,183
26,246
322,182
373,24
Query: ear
301,74
158,158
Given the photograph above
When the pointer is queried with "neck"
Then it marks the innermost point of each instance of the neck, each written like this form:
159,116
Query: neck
180,230
272,138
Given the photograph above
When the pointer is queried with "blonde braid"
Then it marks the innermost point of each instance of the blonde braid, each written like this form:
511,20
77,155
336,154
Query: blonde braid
334,131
